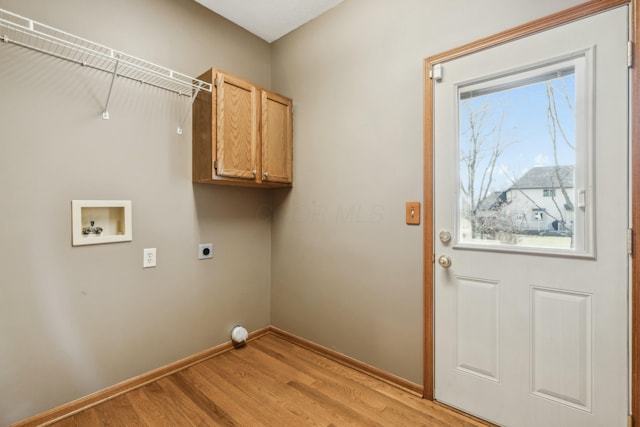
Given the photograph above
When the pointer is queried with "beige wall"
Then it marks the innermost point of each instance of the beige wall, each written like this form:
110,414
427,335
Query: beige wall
74,320
346,270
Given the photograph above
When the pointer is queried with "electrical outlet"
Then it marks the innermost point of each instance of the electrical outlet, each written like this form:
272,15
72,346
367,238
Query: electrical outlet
205,250
149,258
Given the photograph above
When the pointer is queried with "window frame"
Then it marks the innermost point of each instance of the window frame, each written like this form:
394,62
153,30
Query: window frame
582,62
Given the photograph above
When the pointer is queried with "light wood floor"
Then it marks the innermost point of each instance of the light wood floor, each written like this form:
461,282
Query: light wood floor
269,382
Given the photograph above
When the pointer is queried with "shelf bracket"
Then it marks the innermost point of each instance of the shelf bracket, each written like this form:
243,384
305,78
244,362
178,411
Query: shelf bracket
186,114
105,114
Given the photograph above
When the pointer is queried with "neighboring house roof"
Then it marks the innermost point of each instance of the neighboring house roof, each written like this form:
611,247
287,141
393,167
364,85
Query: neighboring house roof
546,177
492,201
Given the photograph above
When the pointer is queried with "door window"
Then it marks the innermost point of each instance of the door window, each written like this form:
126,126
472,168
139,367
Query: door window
523,154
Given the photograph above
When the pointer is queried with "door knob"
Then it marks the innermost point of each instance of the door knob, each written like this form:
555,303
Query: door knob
444,261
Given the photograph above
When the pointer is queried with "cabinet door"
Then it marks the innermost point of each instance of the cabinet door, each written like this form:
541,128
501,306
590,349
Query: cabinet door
276,138
236,127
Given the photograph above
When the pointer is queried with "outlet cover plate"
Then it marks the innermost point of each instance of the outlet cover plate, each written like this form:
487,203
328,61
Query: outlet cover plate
205,251
149,257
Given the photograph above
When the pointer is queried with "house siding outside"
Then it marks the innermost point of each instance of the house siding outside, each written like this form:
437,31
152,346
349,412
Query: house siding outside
536,202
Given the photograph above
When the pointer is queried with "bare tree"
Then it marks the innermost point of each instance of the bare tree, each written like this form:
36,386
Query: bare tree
486,142
556,129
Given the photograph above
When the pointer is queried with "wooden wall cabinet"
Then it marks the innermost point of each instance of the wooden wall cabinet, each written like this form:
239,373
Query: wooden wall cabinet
242,134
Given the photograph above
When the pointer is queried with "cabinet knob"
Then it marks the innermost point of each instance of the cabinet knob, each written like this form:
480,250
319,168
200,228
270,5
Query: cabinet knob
266,174
254,172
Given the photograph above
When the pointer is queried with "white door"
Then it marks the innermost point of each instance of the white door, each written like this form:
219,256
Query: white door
531,185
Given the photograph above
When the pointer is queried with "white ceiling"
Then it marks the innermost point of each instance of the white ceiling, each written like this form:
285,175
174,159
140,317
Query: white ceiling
269,19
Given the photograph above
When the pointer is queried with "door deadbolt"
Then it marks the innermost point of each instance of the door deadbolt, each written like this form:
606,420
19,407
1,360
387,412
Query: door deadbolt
445,236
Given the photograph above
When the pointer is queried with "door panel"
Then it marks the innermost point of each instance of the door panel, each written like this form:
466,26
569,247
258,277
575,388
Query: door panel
530,333
277,137
237,127
477,327
561,350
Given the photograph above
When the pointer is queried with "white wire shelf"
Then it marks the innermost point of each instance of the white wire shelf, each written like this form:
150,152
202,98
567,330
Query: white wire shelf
31,34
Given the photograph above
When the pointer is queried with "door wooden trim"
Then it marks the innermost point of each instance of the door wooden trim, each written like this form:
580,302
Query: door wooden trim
536,26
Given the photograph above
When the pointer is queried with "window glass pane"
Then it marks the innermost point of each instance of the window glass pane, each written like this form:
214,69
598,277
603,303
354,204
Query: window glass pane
517,154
